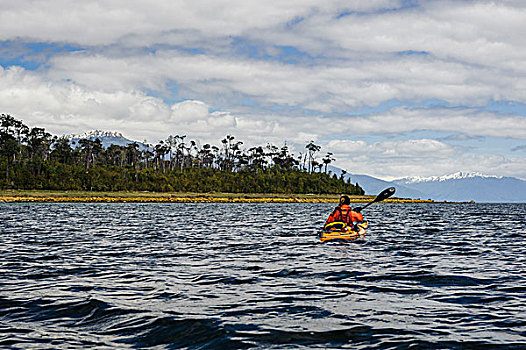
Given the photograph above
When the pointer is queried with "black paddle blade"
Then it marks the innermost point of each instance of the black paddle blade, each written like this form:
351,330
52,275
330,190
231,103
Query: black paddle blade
385,194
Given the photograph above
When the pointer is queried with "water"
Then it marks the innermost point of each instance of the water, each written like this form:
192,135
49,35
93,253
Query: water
255,275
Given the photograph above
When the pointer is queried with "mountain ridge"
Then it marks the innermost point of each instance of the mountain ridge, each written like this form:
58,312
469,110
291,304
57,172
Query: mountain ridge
96,134
107,138
480,188
454,176
456,187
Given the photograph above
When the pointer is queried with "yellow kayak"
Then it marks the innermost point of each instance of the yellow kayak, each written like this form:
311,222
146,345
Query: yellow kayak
341,232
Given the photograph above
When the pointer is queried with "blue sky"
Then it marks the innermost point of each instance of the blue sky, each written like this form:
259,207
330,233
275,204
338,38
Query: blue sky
393,88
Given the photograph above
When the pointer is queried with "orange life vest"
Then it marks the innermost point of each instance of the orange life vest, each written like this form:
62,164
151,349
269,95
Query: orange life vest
344,214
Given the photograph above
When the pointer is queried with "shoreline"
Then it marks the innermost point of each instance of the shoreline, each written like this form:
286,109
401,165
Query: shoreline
48,196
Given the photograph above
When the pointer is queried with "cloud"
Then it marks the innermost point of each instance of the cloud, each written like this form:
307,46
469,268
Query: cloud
28,94
188,111
466,58
64,107
397,159
104,22
360,54
464,120
460,30
413,149
335,88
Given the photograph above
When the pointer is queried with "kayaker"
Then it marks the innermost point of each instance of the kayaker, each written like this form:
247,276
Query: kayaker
344,213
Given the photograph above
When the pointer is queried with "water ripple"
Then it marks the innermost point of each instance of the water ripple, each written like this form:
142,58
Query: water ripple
446,276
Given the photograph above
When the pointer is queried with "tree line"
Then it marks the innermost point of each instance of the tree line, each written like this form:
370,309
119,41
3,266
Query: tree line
32,158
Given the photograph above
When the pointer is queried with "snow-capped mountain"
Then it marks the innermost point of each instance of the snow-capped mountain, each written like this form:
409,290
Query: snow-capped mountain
463,186
107,138
372,185
460,186
455,176
96,134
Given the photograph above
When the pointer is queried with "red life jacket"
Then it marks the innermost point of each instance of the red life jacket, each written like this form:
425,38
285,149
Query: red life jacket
344,214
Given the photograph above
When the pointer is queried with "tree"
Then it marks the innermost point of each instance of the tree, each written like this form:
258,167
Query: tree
230,150
132,157
256,158
9,146
9,149
312,149
90,151
116,155
147,155
62,151
328,159
206,156
38,143
284,160
161,150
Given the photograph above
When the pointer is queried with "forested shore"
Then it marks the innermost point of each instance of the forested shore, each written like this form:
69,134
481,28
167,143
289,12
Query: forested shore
33,159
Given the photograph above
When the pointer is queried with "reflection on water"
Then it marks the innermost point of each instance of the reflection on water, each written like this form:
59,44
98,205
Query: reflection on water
255,275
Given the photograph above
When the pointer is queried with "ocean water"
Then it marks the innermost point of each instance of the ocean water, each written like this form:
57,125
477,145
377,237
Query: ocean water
227,276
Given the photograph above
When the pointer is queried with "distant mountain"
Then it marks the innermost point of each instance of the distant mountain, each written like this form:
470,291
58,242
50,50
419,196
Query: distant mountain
107,138
468,186
372,185
456,176
459,187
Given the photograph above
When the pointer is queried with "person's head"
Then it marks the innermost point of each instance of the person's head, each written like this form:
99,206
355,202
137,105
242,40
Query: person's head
344,199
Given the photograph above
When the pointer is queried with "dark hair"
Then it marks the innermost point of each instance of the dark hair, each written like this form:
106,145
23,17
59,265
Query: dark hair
346,199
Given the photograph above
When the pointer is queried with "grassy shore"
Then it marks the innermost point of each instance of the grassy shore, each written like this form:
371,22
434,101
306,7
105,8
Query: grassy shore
7,196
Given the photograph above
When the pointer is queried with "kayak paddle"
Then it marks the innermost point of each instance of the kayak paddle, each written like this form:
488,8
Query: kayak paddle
383,195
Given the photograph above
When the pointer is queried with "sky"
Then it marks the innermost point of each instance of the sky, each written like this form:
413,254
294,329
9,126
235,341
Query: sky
393,88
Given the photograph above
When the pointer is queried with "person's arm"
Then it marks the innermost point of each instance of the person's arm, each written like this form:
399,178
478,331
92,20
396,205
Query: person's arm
333,215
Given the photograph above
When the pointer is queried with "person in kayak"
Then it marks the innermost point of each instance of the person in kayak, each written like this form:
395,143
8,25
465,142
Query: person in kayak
343,215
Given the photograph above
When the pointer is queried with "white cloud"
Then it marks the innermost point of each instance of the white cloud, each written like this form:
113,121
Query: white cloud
188,111
27,94
397,159
64,107
470,59
476,32
467,121
413,149
324,88
104,22
475,49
